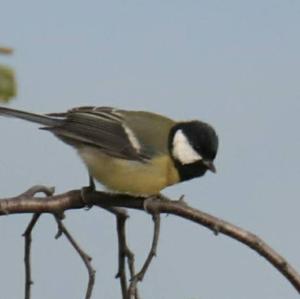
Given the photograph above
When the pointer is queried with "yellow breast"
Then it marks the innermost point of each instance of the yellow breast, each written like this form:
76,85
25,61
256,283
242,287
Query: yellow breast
130,176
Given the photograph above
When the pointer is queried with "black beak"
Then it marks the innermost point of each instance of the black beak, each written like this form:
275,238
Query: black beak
210,166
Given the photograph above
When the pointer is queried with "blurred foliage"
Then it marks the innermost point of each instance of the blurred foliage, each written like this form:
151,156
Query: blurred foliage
6,50
8,85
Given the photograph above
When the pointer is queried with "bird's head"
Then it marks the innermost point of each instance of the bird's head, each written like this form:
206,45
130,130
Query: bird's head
193,146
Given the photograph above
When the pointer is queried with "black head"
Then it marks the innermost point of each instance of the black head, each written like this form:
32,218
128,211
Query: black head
193,146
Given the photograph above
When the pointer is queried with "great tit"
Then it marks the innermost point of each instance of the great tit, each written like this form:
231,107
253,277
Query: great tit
134,152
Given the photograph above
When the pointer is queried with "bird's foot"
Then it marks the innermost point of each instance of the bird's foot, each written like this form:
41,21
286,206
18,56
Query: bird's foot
148,204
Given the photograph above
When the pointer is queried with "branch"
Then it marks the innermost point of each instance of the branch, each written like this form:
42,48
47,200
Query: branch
72,200
124,252
139,276
27,235
27,255
85,257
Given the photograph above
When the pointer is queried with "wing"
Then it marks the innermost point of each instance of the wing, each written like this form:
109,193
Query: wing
100,127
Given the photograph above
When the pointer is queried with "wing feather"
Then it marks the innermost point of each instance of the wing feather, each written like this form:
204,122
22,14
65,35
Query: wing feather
100,127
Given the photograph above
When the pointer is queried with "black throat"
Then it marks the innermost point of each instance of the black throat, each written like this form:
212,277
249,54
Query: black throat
190,171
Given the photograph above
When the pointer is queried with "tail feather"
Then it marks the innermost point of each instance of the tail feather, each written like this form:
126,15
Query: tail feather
32,117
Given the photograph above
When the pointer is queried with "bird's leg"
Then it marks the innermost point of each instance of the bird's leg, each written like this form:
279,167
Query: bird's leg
88,189
92,185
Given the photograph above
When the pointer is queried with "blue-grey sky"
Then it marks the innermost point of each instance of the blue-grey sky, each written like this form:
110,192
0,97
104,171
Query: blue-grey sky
232,63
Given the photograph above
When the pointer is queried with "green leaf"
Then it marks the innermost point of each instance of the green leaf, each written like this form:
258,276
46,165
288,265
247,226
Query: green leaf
8,85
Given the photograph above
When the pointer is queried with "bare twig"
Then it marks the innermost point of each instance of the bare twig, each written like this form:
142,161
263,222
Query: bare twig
73,200
131,264
139,276
31,192
124,251
27,255
85,257
27,235
122,254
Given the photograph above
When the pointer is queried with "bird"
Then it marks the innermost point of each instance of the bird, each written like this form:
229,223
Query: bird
132,152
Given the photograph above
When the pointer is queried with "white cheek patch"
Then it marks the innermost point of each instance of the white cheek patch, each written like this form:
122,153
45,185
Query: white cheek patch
182,149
